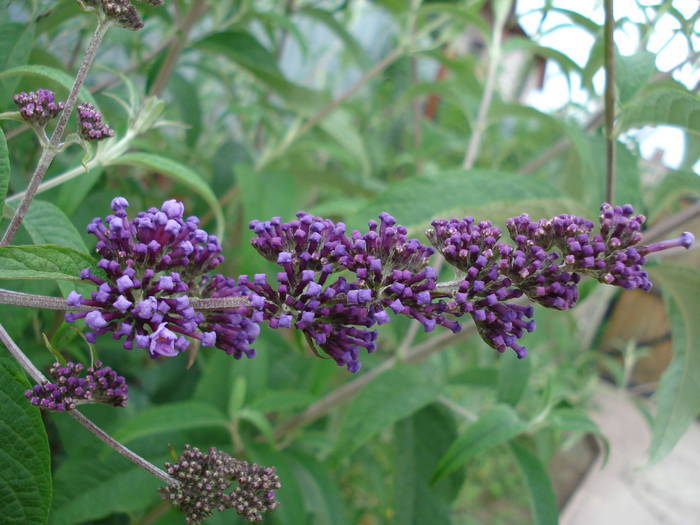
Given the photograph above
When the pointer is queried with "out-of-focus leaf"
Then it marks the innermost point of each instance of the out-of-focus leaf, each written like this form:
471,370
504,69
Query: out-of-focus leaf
25,487
420,441
678,394
4,170
49,73
339,125
667,105
512,378
48,224
171,417
291,495
72,193
274,400
179,173
321,493
484,194
391,397
45,261
674,186
244,50
494,427
576,420
89,488
15,46
350,42
187,99
633,72
539,487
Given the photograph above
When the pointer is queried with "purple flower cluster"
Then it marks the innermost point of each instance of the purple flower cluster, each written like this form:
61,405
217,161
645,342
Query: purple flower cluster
205,480
483,289
90,124
101,384
151,266
38,107
545,263
335,314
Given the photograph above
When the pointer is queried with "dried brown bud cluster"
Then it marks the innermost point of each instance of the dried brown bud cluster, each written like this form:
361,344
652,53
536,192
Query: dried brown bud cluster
204,480
122,12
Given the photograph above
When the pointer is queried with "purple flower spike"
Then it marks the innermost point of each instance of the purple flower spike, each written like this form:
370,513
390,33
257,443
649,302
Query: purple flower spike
151,268
38,107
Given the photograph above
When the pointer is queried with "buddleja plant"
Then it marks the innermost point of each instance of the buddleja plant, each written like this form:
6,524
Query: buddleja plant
159,286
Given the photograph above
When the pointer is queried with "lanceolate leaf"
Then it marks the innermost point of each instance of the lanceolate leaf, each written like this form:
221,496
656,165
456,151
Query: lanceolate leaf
48,73
179,173
420,441
678,395
4,170
48,224
15,45
46,261
170,418
539,487
673,106
89,488
512,378
484,194
391,397
495,426
673,187
25,485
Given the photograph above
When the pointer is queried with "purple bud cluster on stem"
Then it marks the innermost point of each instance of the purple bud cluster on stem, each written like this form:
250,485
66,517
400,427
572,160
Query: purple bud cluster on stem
38,107
337,286
91,127
101,384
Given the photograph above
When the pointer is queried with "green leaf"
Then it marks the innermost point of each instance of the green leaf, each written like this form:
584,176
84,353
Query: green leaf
4,170
179,173
89,488
46,261
259,421
291,497
633,72
678,394
25,461
49,73
48,224
245,51
276,400
394,395
321,494
666,105
495,426
420,441
539,487
187,98
674,186
576,420
484,194
15,46
171,417
349,41
512,378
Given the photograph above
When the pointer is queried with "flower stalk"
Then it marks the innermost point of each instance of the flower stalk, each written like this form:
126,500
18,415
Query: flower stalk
50,150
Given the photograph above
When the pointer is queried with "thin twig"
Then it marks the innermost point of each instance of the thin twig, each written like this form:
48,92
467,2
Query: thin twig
176,47
36,374
480,124
663,228
20,357
348,390
121,449
610,153
333,105
58,303
48,153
